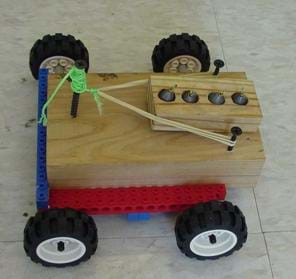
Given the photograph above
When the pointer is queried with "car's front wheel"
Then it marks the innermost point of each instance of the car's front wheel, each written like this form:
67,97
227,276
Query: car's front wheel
60,237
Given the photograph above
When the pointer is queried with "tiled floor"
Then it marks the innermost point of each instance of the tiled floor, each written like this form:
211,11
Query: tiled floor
257,36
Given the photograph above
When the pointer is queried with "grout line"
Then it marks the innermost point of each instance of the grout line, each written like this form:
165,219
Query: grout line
263,234
154,236
219,34
10,241
288,231
125,237
137,237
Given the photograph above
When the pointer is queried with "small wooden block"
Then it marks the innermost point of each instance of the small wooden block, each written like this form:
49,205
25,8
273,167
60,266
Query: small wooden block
204,114
120,149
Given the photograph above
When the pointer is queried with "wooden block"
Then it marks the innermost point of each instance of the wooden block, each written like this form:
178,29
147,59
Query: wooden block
120,149
204,114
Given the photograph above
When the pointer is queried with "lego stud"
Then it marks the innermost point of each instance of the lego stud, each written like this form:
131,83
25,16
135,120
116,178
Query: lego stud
239,98
167,95
216,98
218,63
236,131
190,96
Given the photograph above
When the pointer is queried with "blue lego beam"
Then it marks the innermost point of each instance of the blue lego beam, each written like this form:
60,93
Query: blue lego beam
42,191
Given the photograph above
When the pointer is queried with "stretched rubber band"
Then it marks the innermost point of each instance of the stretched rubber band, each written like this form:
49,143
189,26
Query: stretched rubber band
79,85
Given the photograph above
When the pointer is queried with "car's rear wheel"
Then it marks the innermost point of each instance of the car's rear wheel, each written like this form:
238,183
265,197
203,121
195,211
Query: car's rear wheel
57,53
211,230
181,53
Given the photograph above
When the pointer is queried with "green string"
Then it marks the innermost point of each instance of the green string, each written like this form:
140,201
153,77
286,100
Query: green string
78,85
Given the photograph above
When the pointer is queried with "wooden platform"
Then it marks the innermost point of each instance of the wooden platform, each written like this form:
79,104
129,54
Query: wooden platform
204,114
120,149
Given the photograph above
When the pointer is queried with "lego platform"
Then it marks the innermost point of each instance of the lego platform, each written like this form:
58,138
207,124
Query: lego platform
119,149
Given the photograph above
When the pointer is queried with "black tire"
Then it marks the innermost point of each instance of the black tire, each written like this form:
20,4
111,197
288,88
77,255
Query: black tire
54,223
203,217
183,44
56,45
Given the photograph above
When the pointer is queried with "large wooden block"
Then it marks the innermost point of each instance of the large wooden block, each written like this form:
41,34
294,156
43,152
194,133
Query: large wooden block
120,149
203,113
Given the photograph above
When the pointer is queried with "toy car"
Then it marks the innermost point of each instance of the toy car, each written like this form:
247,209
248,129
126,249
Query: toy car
115,163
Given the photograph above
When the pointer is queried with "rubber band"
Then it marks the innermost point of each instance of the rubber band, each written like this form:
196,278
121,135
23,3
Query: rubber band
79,85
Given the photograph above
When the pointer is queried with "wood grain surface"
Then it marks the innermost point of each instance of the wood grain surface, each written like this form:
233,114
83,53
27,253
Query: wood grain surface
119,148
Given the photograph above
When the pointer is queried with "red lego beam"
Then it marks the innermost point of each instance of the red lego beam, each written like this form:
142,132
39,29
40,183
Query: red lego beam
135,199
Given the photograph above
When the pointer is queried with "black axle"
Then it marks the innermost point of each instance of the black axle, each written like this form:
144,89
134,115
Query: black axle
80,64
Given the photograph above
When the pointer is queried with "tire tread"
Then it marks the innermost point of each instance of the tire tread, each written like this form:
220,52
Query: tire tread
183,44
58,222
57,44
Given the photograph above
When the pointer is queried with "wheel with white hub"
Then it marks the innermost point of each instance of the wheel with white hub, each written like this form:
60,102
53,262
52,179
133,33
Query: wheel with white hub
211,230
182,53
57,53
60,237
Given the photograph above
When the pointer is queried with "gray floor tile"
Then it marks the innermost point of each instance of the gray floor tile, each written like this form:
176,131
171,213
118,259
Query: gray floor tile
282,252
276,203
119,38
143,258
259,41
244,199
15,205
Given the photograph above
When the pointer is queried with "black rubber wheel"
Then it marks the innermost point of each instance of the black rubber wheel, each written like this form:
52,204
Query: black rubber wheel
56,45
176,45
60,237
211,230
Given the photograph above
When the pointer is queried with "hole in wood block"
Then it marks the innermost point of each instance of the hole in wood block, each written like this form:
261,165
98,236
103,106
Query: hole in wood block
216,98
190,96
240,98
167,95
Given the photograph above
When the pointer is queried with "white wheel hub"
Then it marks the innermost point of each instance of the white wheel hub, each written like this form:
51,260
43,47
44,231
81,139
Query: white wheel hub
213,243
60,250
182,64
57,64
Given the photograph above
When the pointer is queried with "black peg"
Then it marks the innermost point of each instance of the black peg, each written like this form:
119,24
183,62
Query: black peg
80,64
74,104
236,131
61,246
218,64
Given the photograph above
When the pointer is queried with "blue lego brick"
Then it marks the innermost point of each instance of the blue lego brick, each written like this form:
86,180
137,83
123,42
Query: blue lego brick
138,216
41,173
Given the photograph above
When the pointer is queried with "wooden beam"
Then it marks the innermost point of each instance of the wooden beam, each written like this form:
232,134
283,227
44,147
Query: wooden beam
203,114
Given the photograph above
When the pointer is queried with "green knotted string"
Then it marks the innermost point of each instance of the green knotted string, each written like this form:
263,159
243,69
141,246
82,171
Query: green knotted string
78,85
